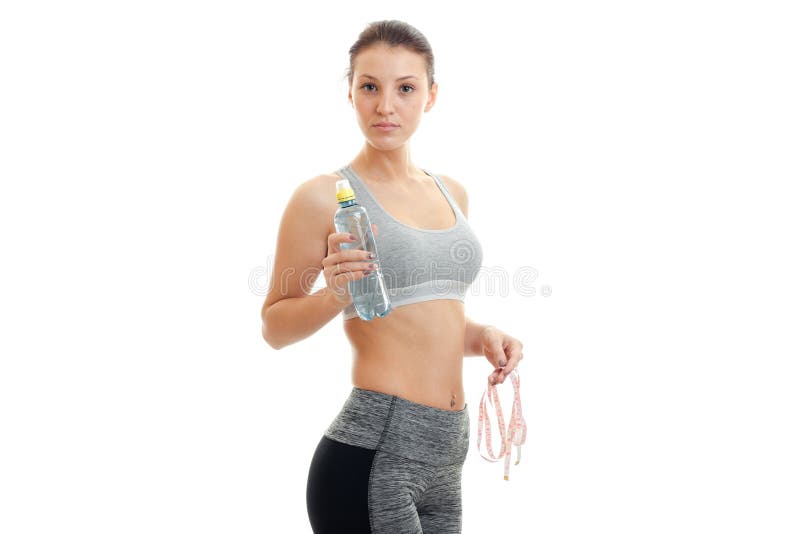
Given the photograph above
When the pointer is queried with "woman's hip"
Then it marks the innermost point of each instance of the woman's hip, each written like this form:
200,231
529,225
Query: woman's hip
395,425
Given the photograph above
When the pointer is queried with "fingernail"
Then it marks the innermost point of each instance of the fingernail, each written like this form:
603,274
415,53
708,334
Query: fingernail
502,363
352,237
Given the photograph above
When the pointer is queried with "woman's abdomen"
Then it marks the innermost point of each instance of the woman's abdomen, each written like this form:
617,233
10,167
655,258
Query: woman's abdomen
415,352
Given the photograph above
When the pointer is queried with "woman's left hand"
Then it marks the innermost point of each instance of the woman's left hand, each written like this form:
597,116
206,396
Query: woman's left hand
503,352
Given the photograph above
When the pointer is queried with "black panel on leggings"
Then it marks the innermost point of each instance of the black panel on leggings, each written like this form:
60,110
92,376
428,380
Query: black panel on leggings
336,491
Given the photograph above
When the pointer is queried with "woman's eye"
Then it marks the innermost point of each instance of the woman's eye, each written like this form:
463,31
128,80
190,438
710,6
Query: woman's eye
368,85
410,87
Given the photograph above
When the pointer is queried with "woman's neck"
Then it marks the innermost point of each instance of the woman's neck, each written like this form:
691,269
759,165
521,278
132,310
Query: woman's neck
387,166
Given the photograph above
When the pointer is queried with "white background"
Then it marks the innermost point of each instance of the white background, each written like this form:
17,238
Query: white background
639,155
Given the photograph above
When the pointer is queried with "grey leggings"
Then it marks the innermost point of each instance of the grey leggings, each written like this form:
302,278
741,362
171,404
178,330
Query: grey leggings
388,465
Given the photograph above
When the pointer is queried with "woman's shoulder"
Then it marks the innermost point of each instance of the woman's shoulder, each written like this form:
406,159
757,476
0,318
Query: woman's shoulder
314,199
319,190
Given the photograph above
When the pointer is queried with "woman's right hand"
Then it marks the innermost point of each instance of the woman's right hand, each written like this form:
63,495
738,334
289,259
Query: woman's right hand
342,265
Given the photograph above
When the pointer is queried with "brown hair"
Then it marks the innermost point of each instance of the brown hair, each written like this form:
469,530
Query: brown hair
392,33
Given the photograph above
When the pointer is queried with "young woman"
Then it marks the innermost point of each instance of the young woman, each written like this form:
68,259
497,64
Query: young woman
391,459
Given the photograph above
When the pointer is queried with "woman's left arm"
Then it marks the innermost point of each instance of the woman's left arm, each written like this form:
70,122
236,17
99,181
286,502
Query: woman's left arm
502,350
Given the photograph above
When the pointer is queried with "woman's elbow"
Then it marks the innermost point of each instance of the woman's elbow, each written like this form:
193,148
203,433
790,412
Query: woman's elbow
269,336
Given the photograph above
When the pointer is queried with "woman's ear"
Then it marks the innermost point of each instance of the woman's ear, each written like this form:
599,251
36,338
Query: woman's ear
431,96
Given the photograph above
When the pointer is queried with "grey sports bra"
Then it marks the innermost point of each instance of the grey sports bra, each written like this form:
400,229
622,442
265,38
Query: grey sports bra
419,264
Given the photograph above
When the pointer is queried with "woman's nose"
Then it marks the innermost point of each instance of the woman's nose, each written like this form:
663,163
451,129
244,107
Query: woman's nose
385,104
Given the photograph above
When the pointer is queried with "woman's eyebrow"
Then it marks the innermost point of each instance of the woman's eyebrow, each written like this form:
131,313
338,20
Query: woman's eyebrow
398,79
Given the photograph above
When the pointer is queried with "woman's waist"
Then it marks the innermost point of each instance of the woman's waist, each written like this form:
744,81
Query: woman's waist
435,380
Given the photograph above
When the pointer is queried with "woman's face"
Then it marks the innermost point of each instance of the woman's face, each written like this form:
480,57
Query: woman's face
390,85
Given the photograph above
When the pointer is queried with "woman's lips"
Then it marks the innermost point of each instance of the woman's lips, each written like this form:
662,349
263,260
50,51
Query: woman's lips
386,127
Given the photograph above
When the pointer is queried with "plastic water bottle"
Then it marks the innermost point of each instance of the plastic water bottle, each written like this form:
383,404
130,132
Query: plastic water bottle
370,297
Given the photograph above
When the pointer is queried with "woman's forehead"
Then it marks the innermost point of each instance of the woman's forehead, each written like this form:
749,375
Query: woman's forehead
394,62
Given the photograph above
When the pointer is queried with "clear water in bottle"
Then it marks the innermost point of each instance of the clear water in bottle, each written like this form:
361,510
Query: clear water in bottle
370,297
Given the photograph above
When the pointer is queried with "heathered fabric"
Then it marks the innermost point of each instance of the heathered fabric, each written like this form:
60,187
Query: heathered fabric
418,264
414,484
379,421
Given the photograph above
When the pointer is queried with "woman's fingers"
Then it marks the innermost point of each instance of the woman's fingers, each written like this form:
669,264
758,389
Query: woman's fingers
335,239
342,265
514,353
514,356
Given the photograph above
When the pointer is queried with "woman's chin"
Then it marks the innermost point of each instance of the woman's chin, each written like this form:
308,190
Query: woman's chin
384,142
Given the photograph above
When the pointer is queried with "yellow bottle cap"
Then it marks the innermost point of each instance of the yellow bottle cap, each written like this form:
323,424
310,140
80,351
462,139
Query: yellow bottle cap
343,191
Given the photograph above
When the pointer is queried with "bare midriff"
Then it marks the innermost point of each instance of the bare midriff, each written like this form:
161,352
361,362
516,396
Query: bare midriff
415,352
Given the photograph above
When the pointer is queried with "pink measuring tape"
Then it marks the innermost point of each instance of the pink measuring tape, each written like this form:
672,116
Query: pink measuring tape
517,429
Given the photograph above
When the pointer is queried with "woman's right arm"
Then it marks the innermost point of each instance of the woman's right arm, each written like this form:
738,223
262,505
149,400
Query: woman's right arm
304,249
